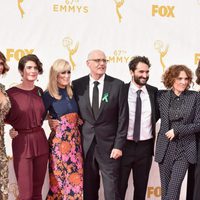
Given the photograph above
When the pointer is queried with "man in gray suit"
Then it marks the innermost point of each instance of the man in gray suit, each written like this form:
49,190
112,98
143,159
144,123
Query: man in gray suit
103,108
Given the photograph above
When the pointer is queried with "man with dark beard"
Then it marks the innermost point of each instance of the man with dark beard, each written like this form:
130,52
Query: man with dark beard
143,114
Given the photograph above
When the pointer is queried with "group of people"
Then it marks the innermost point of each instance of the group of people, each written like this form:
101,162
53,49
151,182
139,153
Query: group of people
99,124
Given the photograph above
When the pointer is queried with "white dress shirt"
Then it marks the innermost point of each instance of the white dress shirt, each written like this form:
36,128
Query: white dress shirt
146,125
100,87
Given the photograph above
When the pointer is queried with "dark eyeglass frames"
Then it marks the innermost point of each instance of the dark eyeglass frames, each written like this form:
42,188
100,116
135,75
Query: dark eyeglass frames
99,60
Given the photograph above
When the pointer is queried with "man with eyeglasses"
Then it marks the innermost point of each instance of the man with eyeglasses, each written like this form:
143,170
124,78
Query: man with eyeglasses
103,108
143,114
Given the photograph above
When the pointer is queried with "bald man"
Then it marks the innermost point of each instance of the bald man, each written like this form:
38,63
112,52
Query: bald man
104,110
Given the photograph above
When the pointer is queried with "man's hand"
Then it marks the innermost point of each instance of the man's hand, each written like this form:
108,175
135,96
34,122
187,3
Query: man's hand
115,154
170,134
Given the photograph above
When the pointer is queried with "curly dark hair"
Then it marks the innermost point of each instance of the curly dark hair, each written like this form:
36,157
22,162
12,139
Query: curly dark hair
6,67
135,60
173,72
30,57
197,73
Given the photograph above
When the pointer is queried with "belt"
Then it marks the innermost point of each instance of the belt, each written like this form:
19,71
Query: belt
140,141
31,130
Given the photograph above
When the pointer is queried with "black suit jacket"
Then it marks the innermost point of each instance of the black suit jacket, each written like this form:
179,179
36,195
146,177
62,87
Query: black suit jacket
185,132
110,127
152,91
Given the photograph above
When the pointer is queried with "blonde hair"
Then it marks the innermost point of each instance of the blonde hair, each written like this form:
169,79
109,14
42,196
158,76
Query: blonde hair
58,66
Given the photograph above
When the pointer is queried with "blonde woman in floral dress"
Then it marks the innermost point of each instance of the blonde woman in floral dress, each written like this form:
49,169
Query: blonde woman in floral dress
4,108
65,159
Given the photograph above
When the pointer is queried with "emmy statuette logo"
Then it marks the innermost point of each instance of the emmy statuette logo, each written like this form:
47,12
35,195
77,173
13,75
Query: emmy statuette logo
19,2
162,50
119,4
68,43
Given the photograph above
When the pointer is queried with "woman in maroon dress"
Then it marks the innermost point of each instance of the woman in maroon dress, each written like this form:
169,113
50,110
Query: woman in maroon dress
30,146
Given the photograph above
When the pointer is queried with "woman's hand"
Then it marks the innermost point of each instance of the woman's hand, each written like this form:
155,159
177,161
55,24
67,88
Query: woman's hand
170,134
53,123
13,133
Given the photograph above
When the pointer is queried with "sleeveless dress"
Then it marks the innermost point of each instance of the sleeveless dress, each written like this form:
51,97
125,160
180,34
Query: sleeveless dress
3,158
30,147
65,159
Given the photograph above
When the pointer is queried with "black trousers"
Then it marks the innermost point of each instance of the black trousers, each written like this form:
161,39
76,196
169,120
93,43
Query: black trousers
190,182
138,158
193,183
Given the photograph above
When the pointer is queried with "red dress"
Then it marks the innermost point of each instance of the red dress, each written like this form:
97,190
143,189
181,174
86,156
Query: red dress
27,113
30,146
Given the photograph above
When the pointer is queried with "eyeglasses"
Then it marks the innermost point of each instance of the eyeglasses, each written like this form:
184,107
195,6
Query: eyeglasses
99,60
66,72
2,63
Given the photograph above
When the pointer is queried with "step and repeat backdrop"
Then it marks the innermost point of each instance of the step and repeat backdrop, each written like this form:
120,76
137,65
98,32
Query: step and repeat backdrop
165,31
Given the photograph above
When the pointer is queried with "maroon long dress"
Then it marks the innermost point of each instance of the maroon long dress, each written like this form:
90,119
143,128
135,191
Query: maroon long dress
30,147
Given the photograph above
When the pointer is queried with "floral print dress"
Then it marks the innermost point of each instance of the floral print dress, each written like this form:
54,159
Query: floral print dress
4,108
65,159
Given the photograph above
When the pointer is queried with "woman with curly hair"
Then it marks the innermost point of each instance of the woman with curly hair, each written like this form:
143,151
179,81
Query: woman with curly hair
180,120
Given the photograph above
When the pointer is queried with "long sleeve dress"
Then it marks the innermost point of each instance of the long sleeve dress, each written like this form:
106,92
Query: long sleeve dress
65,159
3,158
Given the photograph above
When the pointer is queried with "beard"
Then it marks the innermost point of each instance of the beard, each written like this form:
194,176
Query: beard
140,80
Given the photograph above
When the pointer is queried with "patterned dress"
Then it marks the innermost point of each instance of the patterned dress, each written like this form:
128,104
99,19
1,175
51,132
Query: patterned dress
65,160
3,158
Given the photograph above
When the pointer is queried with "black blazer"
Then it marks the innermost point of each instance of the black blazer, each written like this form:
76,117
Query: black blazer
185,133
110,127
152,91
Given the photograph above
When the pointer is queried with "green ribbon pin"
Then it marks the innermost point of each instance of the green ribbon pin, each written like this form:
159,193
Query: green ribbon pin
39,93
105,97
